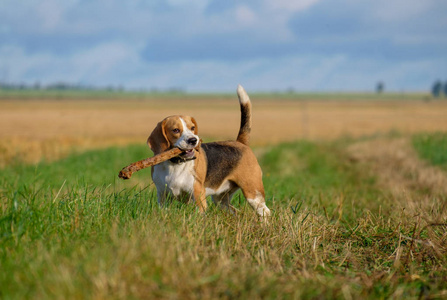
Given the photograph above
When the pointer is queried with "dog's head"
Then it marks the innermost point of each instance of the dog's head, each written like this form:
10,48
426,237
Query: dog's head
175,131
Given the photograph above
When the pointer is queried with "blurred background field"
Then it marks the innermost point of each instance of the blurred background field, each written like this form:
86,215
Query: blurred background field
32,127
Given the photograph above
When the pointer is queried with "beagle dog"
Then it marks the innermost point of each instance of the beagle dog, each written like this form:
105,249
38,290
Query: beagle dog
218,169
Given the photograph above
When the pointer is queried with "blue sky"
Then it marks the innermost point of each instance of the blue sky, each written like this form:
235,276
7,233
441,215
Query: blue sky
211,45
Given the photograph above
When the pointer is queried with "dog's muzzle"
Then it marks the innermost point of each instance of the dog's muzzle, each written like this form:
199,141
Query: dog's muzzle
192,141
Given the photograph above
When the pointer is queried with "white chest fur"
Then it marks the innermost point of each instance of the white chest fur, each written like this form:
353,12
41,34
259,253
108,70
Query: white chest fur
176,178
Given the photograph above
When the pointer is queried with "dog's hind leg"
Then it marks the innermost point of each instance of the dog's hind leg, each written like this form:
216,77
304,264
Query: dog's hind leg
256,199
253,190
223,200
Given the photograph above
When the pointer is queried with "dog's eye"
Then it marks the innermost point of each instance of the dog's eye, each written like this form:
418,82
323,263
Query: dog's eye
176,130
193,128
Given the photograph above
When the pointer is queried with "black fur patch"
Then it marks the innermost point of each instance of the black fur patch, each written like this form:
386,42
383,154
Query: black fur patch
222,159
245,118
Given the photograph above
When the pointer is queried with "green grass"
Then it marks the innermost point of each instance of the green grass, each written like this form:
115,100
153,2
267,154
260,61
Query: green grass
320,176
71,229
432,147
95,168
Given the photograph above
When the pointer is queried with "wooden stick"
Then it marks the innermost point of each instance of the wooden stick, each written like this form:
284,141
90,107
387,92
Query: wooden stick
126,172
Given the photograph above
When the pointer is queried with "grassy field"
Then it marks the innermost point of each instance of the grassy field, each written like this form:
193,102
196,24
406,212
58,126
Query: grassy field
70,229
359,215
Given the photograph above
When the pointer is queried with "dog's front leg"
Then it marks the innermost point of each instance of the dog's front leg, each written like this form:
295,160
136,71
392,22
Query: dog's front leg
200,196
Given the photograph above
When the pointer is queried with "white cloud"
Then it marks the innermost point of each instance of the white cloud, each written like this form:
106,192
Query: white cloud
119,64
245,15
290,6
51,14
200,4
400,10
101,65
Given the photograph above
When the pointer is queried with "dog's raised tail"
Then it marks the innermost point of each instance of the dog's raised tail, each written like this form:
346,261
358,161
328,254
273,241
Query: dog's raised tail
244,131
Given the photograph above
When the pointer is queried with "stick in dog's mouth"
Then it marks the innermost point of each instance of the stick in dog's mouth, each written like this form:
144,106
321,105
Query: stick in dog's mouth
127,172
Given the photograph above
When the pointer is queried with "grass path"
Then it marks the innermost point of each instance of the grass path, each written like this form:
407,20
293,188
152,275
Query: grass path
70,229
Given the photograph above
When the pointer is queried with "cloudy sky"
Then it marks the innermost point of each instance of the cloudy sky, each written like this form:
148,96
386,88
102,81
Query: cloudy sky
212,45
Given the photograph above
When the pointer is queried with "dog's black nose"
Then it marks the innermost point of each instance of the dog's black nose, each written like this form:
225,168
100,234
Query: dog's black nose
192,141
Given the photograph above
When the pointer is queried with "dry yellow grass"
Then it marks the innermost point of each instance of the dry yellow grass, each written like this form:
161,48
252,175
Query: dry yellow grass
398,167
35,129
414,184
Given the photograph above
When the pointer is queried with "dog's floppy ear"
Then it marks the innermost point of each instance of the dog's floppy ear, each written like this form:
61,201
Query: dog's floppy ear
196,128
157,141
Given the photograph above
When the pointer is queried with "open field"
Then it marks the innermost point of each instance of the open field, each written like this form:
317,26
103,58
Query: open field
35,128
364,218
357,187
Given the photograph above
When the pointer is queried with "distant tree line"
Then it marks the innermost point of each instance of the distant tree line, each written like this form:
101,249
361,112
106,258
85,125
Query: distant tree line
438,89
63,86
60,86
380,86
